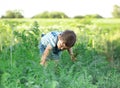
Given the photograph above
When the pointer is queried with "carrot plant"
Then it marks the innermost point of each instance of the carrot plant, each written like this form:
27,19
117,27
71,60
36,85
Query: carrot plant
97,52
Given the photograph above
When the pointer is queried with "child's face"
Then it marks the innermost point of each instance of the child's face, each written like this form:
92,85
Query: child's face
61,45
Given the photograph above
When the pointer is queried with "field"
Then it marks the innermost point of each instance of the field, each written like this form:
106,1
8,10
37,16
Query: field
97,51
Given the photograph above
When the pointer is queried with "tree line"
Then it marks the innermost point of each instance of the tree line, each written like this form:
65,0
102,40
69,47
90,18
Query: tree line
18,14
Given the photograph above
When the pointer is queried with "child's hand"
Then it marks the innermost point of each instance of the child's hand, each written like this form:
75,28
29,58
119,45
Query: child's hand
42,63
73,58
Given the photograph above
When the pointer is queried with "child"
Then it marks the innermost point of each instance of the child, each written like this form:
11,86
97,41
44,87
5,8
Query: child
53,43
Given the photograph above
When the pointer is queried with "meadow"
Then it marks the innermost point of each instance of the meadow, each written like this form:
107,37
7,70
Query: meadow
97,51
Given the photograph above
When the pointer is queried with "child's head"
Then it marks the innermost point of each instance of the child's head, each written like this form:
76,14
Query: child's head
66,39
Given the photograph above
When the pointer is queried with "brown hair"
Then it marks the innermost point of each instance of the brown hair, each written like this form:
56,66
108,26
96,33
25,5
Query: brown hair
69,38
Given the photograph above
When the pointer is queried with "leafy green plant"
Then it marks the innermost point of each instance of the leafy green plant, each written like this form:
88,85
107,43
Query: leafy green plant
19,55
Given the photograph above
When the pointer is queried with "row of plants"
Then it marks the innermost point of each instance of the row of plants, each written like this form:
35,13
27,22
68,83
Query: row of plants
97,64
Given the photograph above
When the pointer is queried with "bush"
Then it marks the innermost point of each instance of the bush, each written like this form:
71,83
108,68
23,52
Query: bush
47,14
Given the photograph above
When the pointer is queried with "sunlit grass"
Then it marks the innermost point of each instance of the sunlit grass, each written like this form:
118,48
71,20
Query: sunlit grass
97,51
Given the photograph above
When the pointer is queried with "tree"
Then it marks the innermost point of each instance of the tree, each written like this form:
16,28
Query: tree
93,16
58,15
18,14
116,11
9,14
45,14
78,17
54,14
13,14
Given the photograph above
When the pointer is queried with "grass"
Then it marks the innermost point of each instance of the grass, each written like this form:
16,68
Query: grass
97,52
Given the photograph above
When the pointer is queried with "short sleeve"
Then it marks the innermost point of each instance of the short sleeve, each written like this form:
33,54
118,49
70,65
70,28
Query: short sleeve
50,38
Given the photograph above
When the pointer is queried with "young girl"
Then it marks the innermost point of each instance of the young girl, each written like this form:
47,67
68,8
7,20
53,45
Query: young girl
53,43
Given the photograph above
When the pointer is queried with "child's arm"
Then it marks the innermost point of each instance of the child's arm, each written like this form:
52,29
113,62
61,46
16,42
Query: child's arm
70,51
45,54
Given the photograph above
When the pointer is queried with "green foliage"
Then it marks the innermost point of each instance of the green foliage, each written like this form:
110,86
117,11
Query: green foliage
80,17
13,14
97,39
93,16
42,15
47,14
116,11
58,15
5,34
89,16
